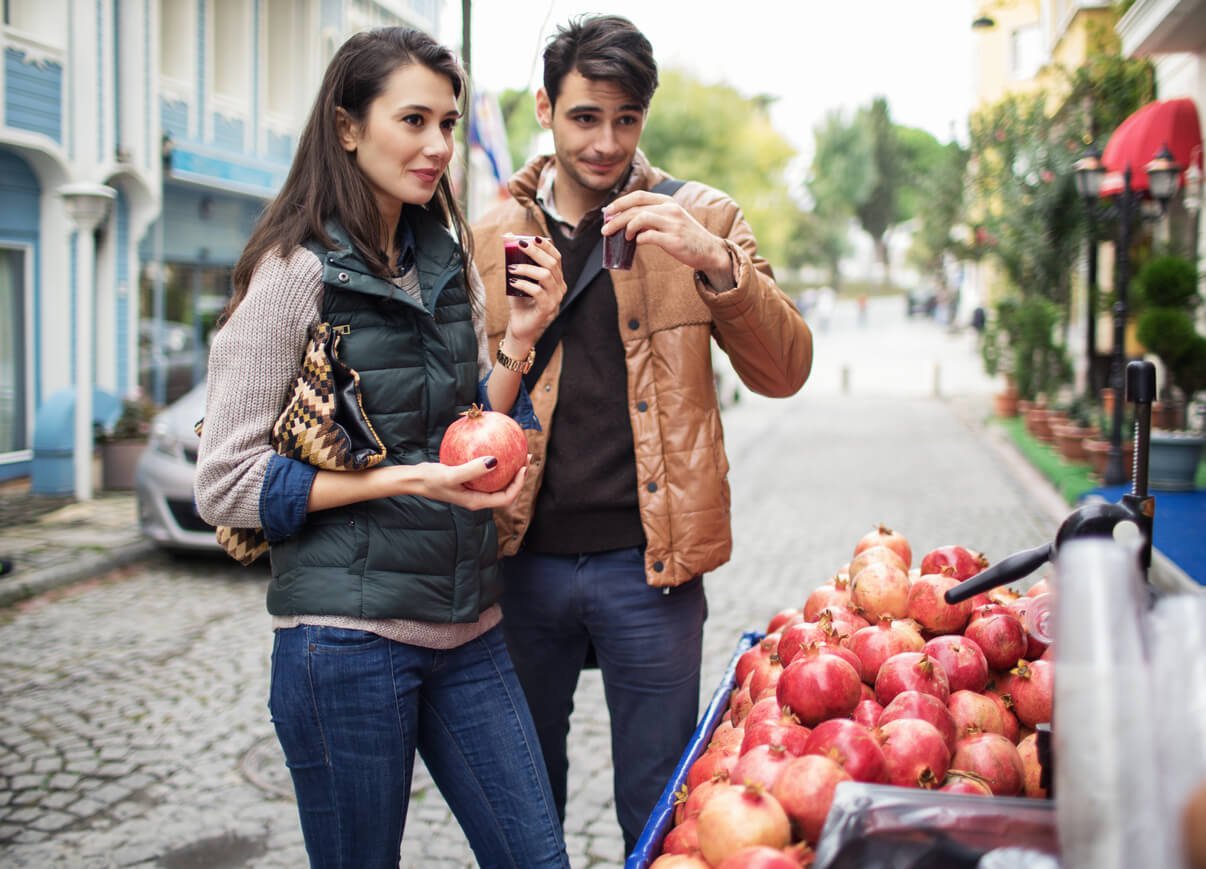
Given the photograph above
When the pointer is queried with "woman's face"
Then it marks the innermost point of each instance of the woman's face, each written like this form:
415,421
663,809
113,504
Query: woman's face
404,143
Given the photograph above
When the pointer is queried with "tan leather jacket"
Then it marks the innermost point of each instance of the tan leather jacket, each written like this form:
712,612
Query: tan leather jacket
667,320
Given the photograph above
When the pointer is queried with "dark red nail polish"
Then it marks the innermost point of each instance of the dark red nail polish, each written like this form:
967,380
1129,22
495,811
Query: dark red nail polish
538,240
491,462
523,243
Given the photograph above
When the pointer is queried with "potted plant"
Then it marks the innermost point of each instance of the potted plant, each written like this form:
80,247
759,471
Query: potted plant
123,443
1070,434
997,360
1097,448
1167,289
1021,342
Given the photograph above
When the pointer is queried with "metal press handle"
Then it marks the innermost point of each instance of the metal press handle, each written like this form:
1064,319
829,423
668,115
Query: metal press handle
1006,570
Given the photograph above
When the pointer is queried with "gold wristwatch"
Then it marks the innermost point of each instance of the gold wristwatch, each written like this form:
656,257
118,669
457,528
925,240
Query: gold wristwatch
520,367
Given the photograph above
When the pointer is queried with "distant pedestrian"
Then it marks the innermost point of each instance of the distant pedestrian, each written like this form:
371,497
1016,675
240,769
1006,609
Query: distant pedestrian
979,319
826,299
862,309
806,301
385,585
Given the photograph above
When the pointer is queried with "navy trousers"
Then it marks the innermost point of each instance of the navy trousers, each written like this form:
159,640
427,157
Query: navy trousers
648,644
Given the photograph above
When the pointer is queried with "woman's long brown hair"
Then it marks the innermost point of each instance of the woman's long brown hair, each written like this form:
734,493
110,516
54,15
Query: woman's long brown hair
324,182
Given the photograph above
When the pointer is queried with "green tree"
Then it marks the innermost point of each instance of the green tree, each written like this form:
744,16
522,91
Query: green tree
519,115
821,241
714,134
879,210
837,180
1106,88
1023,177
1021,173
922,159
940,210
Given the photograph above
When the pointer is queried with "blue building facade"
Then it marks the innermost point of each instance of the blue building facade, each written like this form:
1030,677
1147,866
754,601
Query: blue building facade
139,142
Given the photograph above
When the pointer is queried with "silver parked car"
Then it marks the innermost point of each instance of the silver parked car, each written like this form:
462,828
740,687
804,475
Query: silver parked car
167,511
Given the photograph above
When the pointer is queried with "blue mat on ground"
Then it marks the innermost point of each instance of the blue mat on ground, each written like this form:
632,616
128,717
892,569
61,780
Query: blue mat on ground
1179,528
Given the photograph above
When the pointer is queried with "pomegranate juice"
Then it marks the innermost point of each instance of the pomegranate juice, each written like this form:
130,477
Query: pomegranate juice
515,255
618,251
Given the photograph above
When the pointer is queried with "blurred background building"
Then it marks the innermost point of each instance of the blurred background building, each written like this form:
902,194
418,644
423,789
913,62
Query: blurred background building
139,141
1028,46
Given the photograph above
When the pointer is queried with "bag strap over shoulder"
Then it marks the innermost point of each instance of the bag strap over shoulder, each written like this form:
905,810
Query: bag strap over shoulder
594,264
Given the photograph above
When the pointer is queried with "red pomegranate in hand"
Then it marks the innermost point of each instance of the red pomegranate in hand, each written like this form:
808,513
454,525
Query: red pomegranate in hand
486,433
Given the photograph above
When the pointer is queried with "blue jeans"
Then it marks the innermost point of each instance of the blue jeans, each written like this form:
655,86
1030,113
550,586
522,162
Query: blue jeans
350,708
648,642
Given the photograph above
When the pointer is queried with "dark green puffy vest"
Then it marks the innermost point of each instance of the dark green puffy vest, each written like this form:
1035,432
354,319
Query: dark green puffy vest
406,557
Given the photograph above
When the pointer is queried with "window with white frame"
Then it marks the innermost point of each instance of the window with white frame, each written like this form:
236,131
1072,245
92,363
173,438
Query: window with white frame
41,19
177,40
14,394
1025,52
285,73
232,48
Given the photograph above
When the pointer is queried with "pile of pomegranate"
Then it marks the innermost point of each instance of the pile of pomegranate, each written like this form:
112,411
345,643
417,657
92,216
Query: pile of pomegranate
874,679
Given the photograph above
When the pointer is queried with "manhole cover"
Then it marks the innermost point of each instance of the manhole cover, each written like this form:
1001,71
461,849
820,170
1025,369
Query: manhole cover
264,766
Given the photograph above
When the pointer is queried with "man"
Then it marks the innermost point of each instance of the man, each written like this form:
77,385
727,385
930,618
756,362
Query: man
627,501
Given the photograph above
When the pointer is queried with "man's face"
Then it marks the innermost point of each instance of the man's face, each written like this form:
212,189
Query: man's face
596,129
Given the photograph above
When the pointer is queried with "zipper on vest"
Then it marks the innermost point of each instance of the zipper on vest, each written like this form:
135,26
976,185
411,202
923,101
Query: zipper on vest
442,280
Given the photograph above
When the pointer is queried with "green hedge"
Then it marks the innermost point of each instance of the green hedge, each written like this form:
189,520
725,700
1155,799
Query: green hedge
1070,479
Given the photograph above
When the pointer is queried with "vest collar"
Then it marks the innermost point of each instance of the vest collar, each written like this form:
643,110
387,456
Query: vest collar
437,258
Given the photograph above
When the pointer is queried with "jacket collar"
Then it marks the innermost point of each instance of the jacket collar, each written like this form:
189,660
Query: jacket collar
532,185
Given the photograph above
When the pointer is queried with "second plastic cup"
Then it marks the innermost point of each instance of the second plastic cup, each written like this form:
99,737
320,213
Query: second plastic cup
618,251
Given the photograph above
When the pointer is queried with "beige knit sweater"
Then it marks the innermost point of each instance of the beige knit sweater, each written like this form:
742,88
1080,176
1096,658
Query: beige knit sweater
252,367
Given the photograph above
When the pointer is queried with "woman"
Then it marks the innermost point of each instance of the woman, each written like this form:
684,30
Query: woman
384,582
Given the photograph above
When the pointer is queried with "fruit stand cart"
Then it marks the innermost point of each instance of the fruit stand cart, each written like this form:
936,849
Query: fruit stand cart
1117,774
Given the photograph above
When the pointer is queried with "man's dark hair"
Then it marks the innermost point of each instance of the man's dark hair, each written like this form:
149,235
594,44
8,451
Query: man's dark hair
601,47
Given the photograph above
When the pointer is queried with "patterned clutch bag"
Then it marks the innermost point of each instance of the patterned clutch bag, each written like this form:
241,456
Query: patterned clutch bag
323,424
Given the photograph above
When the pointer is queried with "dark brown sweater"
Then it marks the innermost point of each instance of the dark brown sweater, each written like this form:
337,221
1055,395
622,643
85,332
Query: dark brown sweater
588,500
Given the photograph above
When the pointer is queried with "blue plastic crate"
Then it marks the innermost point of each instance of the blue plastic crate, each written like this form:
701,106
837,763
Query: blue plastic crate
661,819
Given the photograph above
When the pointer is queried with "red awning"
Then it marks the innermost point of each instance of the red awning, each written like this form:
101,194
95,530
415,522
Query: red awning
1164,122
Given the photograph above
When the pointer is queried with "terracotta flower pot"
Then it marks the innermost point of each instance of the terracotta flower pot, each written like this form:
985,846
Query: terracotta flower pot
119,460
1069,440
1037,423
1005,403
1169,416
1098,452
1055,418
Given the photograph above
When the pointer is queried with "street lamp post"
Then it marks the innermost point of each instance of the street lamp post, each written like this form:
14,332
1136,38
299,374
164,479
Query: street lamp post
1114,472
1163,175
1089,173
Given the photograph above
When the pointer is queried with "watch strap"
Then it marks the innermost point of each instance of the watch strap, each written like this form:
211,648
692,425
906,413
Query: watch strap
519,366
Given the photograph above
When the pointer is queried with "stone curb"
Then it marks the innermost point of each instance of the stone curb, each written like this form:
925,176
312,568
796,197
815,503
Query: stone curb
86,565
